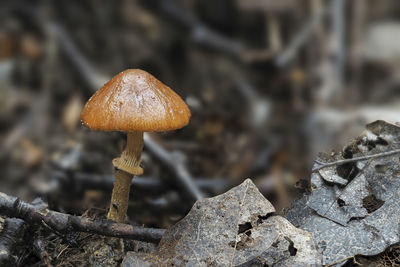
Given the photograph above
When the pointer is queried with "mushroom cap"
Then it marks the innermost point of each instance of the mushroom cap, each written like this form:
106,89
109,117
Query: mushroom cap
134,100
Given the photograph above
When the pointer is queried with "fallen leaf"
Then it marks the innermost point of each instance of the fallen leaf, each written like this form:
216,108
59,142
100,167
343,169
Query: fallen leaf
237,228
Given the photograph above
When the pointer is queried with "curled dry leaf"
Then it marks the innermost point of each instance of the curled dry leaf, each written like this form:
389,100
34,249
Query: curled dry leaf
237,228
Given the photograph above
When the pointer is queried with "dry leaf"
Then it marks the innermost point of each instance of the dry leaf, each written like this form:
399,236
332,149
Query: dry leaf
361,216
237,228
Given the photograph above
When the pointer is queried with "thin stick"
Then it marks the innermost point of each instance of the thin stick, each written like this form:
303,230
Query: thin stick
344,161
64,223
177,165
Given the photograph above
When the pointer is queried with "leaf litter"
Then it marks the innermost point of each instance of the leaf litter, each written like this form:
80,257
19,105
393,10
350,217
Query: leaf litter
354,207
352,210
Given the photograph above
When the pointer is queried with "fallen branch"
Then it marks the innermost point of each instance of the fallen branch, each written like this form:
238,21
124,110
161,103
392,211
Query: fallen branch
344,161
13,230
64,223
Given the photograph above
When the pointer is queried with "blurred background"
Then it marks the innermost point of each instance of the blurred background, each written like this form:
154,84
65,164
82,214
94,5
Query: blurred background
269,83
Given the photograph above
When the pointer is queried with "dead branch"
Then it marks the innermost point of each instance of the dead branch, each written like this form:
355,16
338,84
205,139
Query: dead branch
13,230
344,161
64,223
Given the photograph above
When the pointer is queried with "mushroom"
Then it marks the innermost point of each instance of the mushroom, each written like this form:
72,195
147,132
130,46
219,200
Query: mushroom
133,101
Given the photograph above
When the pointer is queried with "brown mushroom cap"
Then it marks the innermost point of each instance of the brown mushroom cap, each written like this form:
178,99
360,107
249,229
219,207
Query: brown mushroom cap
135,100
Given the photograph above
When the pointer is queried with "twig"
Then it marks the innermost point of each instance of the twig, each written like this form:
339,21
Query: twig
64,223
258,106
13,230
92,77
176,164
63,180
344,161
285,56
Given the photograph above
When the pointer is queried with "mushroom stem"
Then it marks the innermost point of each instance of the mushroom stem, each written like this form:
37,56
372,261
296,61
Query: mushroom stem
131,156
120,196
128,165
134,147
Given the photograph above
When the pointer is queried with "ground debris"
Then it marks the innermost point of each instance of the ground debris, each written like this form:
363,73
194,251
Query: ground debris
361,216
92,251
237,228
